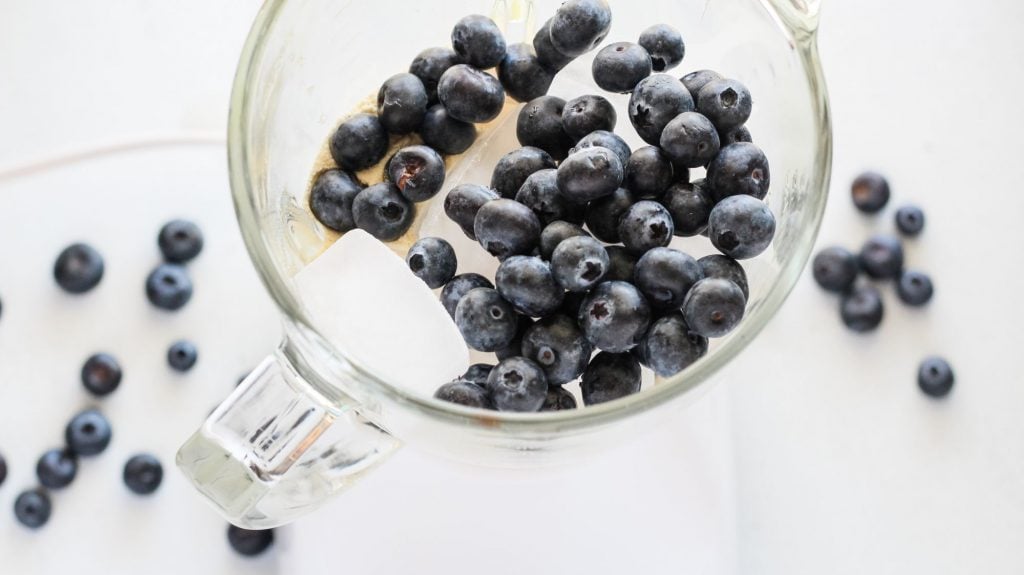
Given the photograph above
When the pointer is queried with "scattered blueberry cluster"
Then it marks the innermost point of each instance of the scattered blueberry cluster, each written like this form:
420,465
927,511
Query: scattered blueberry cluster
837,269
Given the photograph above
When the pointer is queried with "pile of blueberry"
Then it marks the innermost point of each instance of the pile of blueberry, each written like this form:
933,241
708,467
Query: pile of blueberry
837,269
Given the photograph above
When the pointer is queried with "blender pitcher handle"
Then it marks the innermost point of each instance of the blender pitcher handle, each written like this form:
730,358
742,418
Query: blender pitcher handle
277,448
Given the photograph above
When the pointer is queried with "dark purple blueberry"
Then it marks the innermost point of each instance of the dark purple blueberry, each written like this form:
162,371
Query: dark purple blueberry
690,140
727,103
417,171
464,201
726,268
579,26
331,198
478,41
559,347
401,103
614,316
547,54
57,468
914,288
433,261
180,241
515,348
182,355
446,134
604,214
554,233
696,80
741,227
169,287
101,374
539,124
881,257
88,433
249,542
870,192
143,474
935,377
3,469
506,228
540,193
649,173
477,373
645,225
664,276
733,135
589,174
656,100
470,95
579,263
465,393
740,168
619,67
32,508
359,142
429,65
527,283
670,347
605,139
517,384
861,308
78,269
382,211
487,322
460,286
587,114
665,45
621,264
514,167
610,376
690,207
522,75
835,269
910,220
713,307
558,399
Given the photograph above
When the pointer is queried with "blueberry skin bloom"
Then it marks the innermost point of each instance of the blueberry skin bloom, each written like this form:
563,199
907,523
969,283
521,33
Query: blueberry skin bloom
713,307
429,65
331,199
579,26
515,348
645,225
32,508
690,140
555,233
517,384
522,75
143,474
88,433
169,287
910,220
670,347
527,283
649,173
835,269
733,135
665,45
512,170
547,54
741,227
935,377
477,373
870,192
559,347
586,114
433,261
579,263
589,174
57,468
478,41
506,228
727,103
249,542
881,257
465,393
401,103
487,322
614,316
861,309
619,67
539,124
382,211
610,376
738,169
463,202
359,142
665,276
470,95
446,134
417,171
460,285
180,241
182,355
78,268
558,399
101,374
914,288
690,207
621,264
724,267
656,100
540,193
697,79
605,139
604,214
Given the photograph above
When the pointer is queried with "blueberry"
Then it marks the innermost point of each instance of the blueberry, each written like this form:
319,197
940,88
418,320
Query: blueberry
835,269
621,264
578,26
382,211
733,135
517,384
169,287
539,124
249,542
101,374
528,284
619,67
32,508
143,474
470,95
589,174
558,346
713,307
464,201
670,347
540,193
433,261
696,80
429,65
547,54
359,142
587,114
3,469
506,228
914,288
649,173
664,276
522,75
665,45
487,322
579,263
690,140
724,267
645,225
935,377
478,41
861,308
554,233
417,171
180,241
460,286
656,100
870,192
572,302
605,139
330,200
57,468
725,102
401,103
910,220
614,316
477,373
78,269
182,355
604,214
690,207
88,433
610,376
881,257
444,133
558,399
515,348
513,168
465,393
741,227
740,168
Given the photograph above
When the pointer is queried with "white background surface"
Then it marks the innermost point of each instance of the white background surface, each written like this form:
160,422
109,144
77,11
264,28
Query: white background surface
841,466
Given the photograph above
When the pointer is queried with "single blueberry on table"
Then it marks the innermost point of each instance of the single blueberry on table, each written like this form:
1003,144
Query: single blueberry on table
665,45
143,474
88,433
417,171
429,65
935,377
382,211
713,307
603,215
554,233
169,287
870,192
57,468
331,198
614,316
621,264
522,75
464,201
465,393
559,347
914,288
690,140
433,261
558,399
547,54
517,384
180,241
739,169
724,267
655,101
540,193
733,135
249,542
478,41
487,322
619,67
460,285
579,263
727,103
645,225
697,79
513,168
861,309
649,173
664,276
610,376
528,284
539,124
359,142
586,114
605,139
835,269
910,220
506,228
515,347
741,227
182,355
881,257
444,133
589,174
101,374
32,508
477,373
690,206
401,103
670,347
579,26
78,269
470,95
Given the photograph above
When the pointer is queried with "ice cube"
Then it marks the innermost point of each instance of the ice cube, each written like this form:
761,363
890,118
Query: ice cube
364,299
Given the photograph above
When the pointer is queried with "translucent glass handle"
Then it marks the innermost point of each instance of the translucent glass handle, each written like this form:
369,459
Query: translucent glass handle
277,448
